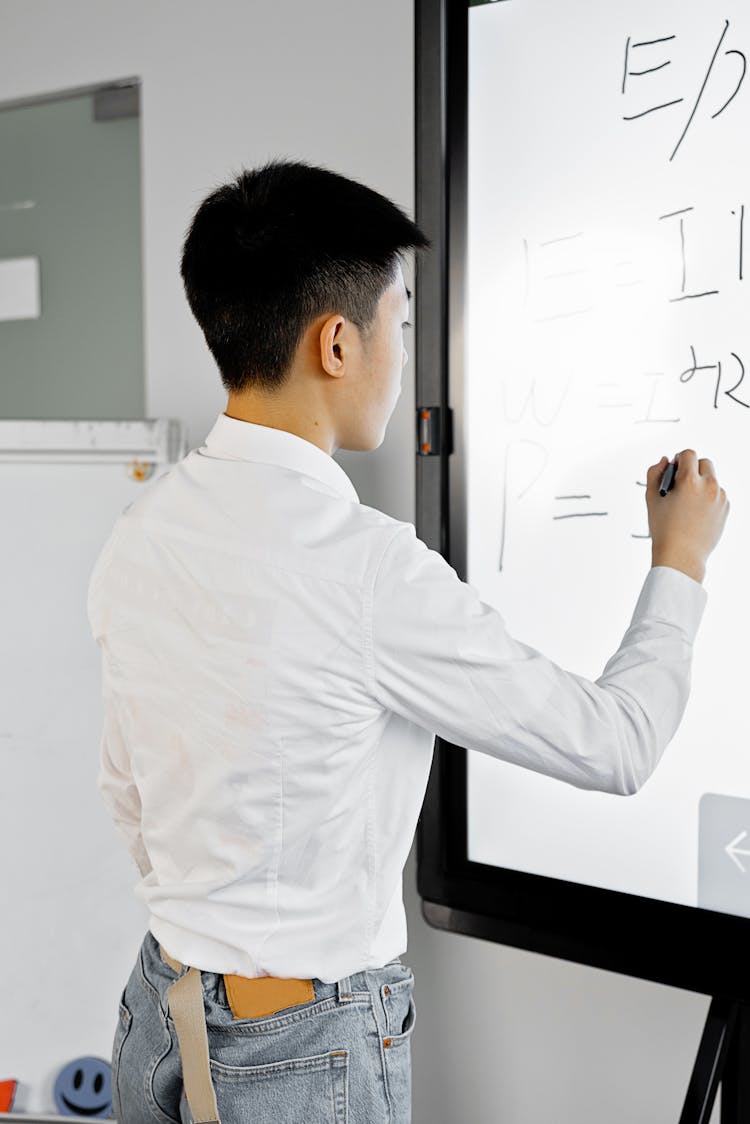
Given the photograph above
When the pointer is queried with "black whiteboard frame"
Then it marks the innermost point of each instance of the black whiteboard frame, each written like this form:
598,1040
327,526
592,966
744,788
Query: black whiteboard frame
682,946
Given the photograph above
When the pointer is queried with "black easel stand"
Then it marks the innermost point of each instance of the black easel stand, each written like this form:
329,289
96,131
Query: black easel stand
723,1056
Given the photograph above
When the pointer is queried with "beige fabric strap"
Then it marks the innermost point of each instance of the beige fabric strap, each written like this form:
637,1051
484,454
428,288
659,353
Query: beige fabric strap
185,998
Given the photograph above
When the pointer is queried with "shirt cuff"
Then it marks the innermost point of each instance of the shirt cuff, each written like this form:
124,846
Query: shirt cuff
672,596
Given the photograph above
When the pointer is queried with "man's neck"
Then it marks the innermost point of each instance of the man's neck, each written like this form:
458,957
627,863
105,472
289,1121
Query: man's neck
277,413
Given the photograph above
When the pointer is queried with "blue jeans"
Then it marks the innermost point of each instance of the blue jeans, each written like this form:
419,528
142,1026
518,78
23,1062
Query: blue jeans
342,1058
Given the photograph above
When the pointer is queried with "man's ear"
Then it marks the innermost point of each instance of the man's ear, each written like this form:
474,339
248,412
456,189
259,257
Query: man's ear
331,356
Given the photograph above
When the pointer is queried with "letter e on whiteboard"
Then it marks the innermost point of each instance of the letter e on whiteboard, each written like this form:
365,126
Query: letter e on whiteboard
19,289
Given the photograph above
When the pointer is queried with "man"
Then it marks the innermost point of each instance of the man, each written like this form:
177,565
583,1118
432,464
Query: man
278,658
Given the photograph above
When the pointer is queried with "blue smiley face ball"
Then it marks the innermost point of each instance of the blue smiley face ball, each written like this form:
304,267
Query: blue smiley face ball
84,1088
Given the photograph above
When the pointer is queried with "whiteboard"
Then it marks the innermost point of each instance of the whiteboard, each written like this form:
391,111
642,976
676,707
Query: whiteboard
72,926
607,325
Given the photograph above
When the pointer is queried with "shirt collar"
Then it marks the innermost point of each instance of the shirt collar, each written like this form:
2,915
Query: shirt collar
233,437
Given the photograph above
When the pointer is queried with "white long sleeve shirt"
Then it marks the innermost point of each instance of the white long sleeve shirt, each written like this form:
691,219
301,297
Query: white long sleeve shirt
276,660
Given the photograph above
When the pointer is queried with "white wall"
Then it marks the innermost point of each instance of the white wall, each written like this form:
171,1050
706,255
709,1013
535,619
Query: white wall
502,1035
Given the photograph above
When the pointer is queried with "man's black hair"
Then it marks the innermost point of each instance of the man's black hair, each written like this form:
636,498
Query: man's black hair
279,246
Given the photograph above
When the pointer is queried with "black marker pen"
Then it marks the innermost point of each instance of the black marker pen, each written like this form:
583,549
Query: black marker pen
667,478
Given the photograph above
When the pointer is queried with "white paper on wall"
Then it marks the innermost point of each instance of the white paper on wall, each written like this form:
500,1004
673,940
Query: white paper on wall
19,289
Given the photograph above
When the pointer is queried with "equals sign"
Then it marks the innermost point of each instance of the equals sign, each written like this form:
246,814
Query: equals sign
610,405
577,514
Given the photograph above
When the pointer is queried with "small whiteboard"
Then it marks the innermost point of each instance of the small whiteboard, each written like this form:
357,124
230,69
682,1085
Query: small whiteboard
72,925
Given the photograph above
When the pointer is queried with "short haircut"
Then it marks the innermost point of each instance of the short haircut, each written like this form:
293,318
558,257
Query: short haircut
279,246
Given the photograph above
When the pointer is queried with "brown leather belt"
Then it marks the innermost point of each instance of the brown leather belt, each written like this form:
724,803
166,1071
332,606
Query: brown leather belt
248,999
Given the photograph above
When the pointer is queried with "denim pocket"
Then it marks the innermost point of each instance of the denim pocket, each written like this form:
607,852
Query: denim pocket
407,1024
306,1090
401,1016
397,998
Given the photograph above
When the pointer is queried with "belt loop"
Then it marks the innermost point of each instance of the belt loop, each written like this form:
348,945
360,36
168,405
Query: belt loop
176,965
344,989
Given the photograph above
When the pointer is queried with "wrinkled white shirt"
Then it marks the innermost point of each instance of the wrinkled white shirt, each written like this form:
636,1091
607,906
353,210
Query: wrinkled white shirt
276,660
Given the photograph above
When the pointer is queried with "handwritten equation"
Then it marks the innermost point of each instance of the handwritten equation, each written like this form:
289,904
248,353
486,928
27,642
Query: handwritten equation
642,53
600,241
559,279
530,408
577,499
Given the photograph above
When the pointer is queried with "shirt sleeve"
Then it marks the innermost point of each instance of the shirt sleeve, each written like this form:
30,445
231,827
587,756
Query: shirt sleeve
118,789
442,658
115,780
